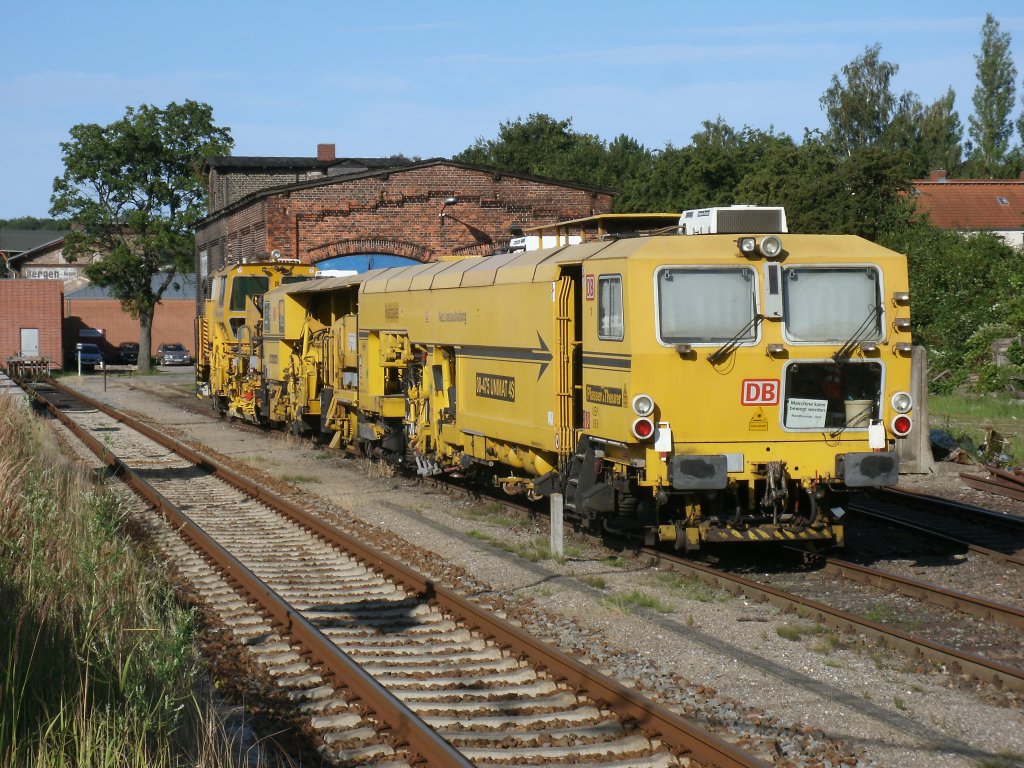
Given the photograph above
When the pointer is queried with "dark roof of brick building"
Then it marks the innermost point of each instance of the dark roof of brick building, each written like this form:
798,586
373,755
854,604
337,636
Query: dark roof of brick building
357,164
18,240
971,204
181,287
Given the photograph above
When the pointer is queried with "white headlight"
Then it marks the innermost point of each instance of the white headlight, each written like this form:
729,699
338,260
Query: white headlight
771,246
901,402
747,245
643,405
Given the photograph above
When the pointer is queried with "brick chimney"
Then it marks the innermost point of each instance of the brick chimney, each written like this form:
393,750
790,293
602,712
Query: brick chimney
325,153
938,175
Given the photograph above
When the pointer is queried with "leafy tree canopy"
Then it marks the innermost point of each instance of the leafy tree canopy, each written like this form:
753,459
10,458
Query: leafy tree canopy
544,146
990,125
134,190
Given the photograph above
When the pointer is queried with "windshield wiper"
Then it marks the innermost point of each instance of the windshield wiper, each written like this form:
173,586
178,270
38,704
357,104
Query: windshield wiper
869,323
723,351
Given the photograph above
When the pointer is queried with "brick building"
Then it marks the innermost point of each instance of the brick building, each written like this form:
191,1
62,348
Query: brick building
14,242
93,309
333,209
45,261
30,319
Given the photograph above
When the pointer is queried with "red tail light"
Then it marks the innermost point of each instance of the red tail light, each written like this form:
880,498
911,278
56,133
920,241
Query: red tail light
643,429
901,425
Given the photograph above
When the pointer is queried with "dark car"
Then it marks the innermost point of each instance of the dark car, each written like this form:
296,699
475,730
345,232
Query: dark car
128,352
172,354
88,355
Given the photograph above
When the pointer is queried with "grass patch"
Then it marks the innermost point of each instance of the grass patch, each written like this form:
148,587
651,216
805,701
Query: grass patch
533,550
597,582
688,587
96,655
827,642
378,470
492,514
615,561
796,632
630,602
288,478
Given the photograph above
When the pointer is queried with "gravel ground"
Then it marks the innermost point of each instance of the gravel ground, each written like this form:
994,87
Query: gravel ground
692,647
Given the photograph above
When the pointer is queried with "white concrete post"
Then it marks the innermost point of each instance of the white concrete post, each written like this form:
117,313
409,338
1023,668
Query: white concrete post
557,527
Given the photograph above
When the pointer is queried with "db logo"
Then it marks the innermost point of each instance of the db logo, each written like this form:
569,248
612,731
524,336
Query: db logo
760,392
590,287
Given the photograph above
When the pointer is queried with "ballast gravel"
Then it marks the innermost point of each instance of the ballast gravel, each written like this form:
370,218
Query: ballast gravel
819,699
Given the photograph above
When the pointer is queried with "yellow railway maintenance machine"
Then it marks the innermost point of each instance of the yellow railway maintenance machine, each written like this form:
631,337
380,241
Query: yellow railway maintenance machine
726,384
228,334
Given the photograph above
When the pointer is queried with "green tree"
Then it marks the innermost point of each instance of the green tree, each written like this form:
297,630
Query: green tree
824,193
941,133
134,191
990,125
862,109
542,146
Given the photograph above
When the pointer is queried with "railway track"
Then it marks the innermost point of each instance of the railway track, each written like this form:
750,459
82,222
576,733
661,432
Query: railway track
992,534
966,634
391,668
1003,675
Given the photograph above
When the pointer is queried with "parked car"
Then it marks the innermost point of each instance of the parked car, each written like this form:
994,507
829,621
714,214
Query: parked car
172,354
88,355
128,352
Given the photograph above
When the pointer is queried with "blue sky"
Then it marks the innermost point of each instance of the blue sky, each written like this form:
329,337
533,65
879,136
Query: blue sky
428,78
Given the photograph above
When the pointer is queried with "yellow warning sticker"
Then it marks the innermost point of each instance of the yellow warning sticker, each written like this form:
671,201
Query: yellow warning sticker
759,423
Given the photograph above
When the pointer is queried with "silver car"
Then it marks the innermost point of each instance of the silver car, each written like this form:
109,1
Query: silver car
172,354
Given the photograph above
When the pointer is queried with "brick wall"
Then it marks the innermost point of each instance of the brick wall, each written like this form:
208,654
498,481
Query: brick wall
395,212
173,321
31,304
226,187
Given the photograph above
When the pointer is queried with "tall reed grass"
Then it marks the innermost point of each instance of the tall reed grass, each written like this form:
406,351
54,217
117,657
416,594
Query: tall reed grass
96,655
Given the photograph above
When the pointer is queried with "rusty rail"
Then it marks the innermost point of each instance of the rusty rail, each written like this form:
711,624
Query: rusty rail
998,481
987,670
409,729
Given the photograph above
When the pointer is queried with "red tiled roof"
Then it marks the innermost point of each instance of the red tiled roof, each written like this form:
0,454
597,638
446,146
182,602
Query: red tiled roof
973,205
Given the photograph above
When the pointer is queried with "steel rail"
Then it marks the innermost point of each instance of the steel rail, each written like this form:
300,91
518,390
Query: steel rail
1011,489
993,554
919,590
986,670
948,506
682,737
409,728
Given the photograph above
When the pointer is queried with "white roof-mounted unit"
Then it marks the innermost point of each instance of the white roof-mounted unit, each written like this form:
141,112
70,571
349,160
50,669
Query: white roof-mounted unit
734,220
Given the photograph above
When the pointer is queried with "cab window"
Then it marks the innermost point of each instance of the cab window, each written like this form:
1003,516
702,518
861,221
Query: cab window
706,305
609,307
832,304
243,287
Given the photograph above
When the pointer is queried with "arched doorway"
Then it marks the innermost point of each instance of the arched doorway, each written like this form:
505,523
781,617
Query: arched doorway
363,262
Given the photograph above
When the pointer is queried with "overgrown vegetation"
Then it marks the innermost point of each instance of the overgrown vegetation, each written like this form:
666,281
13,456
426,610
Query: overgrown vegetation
96,657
